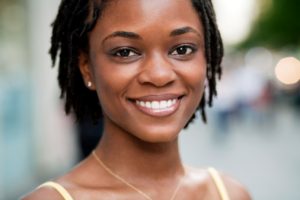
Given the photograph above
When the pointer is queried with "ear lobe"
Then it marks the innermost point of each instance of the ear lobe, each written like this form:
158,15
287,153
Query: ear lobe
84,67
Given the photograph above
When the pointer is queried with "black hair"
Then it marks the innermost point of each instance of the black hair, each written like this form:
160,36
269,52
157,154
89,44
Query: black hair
77,18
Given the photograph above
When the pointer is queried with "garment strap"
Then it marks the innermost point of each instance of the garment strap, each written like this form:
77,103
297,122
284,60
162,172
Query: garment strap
219,183
60,189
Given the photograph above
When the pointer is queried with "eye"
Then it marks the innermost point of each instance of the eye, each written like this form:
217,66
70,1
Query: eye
124,52
183,50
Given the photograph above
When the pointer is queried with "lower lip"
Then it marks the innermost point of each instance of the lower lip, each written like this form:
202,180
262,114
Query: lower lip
159,112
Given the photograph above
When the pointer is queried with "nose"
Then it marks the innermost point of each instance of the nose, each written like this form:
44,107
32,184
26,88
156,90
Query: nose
157,71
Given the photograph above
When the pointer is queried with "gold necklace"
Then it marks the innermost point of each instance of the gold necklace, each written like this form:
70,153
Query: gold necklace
106,168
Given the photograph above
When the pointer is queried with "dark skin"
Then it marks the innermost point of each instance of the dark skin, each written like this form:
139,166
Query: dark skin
132,58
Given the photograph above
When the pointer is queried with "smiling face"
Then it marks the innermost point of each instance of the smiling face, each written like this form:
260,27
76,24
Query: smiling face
147,63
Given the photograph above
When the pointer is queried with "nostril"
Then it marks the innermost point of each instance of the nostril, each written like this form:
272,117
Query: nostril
157,77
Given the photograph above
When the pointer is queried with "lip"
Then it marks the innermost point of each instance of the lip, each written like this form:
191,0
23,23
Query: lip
171,104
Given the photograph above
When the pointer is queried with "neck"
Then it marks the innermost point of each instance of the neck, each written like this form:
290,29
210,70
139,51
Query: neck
129,156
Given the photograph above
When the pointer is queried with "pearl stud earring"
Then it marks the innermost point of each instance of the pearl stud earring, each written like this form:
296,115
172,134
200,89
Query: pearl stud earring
89,84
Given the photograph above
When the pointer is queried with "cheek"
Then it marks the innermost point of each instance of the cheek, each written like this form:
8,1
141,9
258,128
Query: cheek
195,80
197,83
198,77
111,81
107,91
200,80
195,76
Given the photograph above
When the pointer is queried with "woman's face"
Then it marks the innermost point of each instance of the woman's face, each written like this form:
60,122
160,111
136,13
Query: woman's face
147,64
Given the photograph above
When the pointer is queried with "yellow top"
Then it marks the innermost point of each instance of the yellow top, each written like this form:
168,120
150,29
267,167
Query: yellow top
219,183
214,174
60,189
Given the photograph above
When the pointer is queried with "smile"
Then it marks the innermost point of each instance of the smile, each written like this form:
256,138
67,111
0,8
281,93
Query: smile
156,107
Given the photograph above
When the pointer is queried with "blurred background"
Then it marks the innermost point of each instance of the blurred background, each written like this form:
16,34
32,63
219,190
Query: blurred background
253,130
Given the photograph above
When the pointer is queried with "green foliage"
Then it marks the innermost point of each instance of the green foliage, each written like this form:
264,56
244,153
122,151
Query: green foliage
278,26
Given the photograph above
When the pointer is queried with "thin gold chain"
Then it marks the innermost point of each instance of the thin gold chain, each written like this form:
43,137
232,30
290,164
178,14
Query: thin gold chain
127,183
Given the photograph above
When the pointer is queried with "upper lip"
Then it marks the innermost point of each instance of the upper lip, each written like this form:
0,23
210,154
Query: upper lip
156,97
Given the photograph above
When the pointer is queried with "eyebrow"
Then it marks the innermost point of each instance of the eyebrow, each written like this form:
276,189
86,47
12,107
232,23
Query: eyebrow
132,35
184,30
124,34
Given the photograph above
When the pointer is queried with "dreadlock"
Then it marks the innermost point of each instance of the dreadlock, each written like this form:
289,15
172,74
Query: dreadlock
77,18
213,52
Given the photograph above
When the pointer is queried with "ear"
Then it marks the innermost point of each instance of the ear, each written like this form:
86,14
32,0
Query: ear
86,72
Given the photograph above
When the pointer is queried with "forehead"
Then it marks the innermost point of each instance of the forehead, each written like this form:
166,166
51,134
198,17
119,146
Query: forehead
143,14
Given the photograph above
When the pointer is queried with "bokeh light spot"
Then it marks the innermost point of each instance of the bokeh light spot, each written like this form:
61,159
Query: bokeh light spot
287,71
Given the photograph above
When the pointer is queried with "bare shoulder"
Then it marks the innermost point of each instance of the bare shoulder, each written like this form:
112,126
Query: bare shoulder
53,189
204,181
44,193
76,183
236,190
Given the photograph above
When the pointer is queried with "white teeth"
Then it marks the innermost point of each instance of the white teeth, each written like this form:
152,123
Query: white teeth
163,104
156,105
148,104
169,103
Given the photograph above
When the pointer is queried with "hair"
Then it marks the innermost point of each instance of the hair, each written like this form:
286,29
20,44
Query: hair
77,18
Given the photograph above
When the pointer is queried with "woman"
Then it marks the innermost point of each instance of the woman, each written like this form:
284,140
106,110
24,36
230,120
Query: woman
140,65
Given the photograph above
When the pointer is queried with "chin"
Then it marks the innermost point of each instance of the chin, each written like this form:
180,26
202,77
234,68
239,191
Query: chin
159,135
